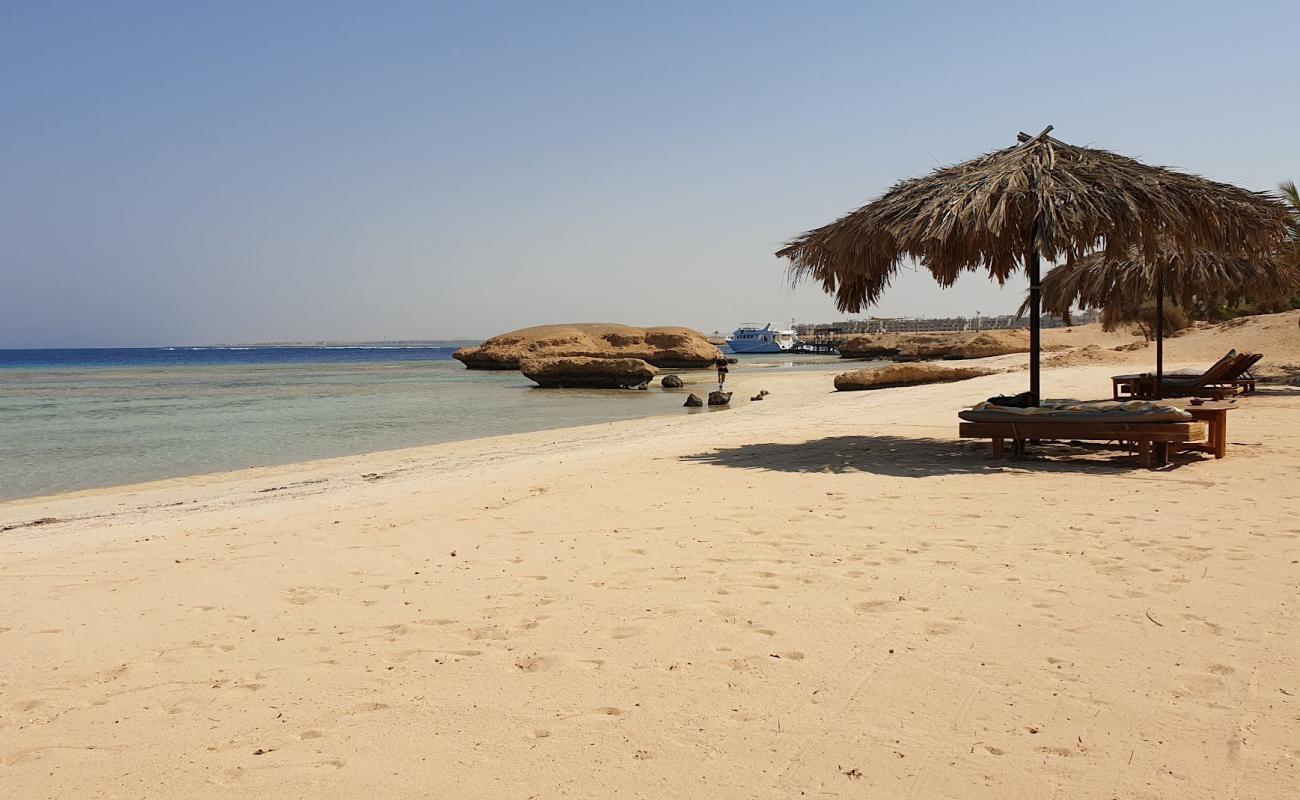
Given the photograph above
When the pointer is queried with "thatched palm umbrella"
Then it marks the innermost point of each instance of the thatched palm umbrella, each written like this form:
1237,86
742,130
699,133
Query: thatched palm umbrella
1100,281
1011,208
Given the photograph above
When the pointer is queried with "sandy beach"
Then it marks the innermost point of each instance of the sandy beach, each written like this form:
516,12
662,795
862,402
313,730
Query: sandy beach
820,594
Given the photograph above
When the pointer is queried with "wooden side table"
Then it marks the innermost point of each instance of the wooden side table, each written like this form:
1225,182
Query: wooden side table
1215,415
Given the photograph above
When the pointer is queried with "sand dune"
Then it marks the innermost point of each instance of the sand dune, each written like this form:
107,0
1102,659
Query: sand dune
820,594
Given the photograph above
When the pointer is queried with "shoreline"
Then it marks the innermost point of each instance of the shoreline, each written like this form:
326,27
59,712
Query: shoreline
251,472
805,379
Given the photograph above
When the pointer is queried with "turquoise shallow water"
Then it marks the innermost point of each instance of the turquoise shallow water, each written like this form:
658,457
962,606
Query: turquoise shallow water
67,426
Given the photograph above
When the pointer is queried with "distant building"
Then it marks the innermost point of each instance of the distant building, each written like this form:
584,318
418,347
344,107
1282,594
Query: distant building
853,327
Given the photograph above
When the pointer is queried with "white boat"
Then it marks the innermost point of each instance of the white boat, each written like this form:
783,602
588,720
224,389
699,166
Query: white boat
751,338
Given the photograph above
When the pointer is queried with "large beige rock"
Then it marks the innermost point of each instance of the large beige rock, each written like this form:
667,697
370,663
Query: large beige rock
669,347
581,372
941,344
873,345
992,343
926,346
903,375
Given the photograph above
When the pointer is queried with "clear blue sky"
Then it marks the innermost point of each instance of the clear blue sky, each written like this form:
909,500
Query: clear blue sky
201,172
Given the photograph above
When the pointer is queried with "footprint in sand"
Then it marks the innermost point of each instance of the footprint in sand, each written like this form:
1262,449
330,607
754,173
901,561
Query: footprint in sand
1064,752
1197,686
534,663
302,595
625,632
871,606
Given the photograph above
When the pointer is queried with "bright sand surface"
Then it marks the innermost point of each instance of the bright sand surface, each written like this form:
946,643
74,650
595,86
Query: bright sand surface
816,595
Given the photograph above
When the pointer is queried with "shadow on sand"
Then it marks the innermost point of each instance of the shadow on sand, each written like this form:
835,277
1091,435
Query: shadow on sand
908,457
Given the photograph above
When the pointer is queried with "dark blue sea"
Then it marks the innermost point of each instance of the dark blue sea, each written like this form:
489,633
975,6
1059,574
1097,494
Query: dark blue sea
127,357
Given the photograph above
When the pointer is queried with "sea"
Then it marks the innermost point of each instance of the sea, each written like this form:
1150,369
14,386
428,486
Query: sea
87,418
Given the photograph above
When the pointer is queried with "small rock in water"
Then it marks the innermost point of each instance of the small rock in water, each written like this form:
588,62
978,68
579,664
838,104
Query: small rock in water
693,401
719,398
758,396
671,382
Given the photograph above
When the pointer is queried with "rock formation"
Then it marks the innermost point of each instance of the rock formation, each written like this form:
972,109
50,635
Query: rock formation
693,401
671,382
874,345
668,347
945,344
581,372
992,343
903,375
719,398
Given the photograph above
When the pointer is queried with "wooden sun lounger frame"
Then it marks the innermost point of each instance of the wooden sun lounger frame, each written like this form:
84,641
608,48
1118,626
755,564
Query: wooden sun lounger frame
1225,378
1154,440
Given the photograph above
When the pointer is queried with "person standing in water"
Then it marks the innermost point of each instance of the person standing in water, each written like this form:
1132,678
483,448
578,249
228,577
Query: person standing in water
721,364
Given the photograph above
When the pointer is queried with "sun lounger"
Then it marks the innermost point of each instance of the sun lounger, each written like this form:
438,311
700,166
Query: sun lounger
1154,429
1243,379
1221,380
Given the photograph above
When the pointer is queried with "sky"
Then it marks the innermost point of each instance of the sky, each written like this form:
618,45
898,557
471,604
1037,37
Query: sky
186,173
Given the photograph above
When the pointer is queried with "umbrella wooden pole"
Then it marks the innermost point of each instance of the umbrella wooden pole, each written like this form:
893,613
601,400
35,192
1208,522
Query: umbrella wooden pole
1035,316
1160,333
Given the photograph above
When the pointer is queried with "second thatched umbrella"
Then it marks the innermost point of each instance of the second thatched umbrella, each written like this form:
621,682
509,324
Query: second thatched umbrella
1007,210
1111,283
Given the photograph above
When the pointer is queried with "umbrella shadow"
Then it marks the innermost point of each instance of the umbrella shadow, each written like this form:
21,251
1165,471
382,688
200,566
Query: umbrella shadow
909,457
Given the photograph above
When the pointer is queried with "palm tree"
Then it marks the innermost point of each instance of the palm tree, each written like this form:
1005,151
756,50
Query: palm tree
1291,194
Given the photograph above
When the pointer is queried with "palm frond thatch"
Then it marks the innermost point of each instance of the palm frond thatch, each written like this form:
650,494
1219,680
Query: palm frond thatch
1292,195
1061,199
1101,281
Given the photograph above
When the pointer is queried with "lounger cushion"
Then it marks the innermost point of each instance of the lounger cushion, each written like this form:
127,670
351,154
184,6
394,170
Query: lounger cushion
1185,375
1181,376
1107,411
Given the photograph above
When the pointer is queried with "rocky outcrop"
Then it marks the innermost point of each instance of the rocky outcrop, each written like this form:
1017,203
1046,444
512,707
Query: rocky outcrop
719,398
874,345
903,375
671,382
992,343
762,393
581,372
668,347
926,346
693,401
